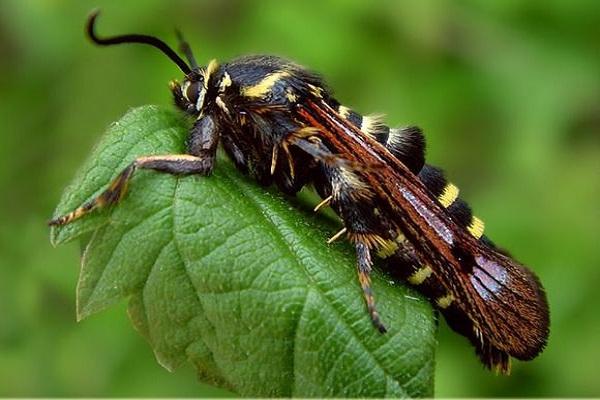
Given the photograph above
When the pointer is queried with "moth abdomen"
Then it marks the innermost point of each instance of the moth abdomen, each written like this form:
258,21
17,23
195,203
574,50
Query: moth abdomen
512,310
406,144
447,194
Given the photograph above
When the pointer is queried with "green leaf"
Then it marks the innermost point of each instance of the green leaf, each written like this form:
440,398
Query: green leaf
237,279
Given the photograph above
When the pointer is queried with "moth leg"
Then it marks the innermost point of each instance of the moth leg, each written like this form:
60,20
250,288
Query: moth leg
307,139
175,164
314,146
201,146
202,143
364,265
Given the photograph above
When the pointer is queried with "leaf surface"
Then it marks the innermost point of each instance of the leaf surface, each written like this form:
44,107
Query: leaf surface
237,279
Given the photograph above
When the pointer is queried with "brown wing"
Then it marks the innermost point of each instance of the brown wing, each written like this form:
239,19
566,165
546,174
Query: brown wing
503,301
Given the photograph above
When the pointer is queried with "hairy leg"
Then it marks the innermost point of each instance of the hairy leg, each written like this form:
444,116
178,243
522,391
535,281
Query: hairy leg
364,265
201,146
176,164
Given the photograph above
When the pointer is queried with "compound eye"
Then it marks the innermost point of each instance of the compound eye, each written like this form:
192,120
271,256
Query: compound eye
191,92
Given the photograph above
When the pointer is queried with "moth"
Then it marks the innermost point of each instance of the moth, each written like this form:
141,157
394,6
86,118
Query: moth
281,125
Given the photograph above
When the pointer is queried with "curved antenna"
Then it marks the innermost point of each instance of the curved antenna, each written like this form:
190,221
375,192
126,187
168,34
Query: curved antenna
134,38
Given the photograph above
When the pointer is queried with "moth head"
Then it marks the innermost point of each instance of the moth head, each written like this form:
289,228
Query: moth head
191,93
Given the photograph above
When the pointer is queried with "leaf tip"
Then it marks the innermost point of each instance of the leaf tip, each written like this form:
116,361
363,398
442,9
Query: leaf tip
83,309
55,236
81,313
165,362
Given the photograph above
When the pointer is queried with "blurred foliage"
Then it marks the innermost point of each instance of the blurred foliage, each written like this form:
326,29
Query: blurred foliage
508,93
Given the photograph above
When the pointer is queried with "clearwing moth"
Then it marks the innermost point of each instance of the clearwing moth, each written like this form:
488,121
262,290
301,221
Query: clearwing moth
280,124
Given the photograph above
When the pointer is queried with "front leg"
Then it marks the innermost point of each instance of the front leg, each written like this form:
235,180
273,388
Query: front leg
203,141
202,145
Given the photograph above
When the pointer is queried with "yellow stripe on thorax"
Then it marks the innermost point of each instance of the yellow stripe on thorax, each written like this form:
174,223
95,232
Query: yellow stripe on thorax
476,227
315,90
213,66
449,195
225,83
264,86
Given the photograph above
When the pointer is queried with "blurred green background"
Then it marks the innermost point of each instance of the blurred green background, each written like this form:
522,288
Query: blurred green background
508,93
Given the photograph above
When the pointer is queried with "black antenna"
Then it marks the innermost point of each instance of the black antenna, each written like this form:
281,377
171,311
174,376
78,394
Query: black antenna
134,38
185,48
